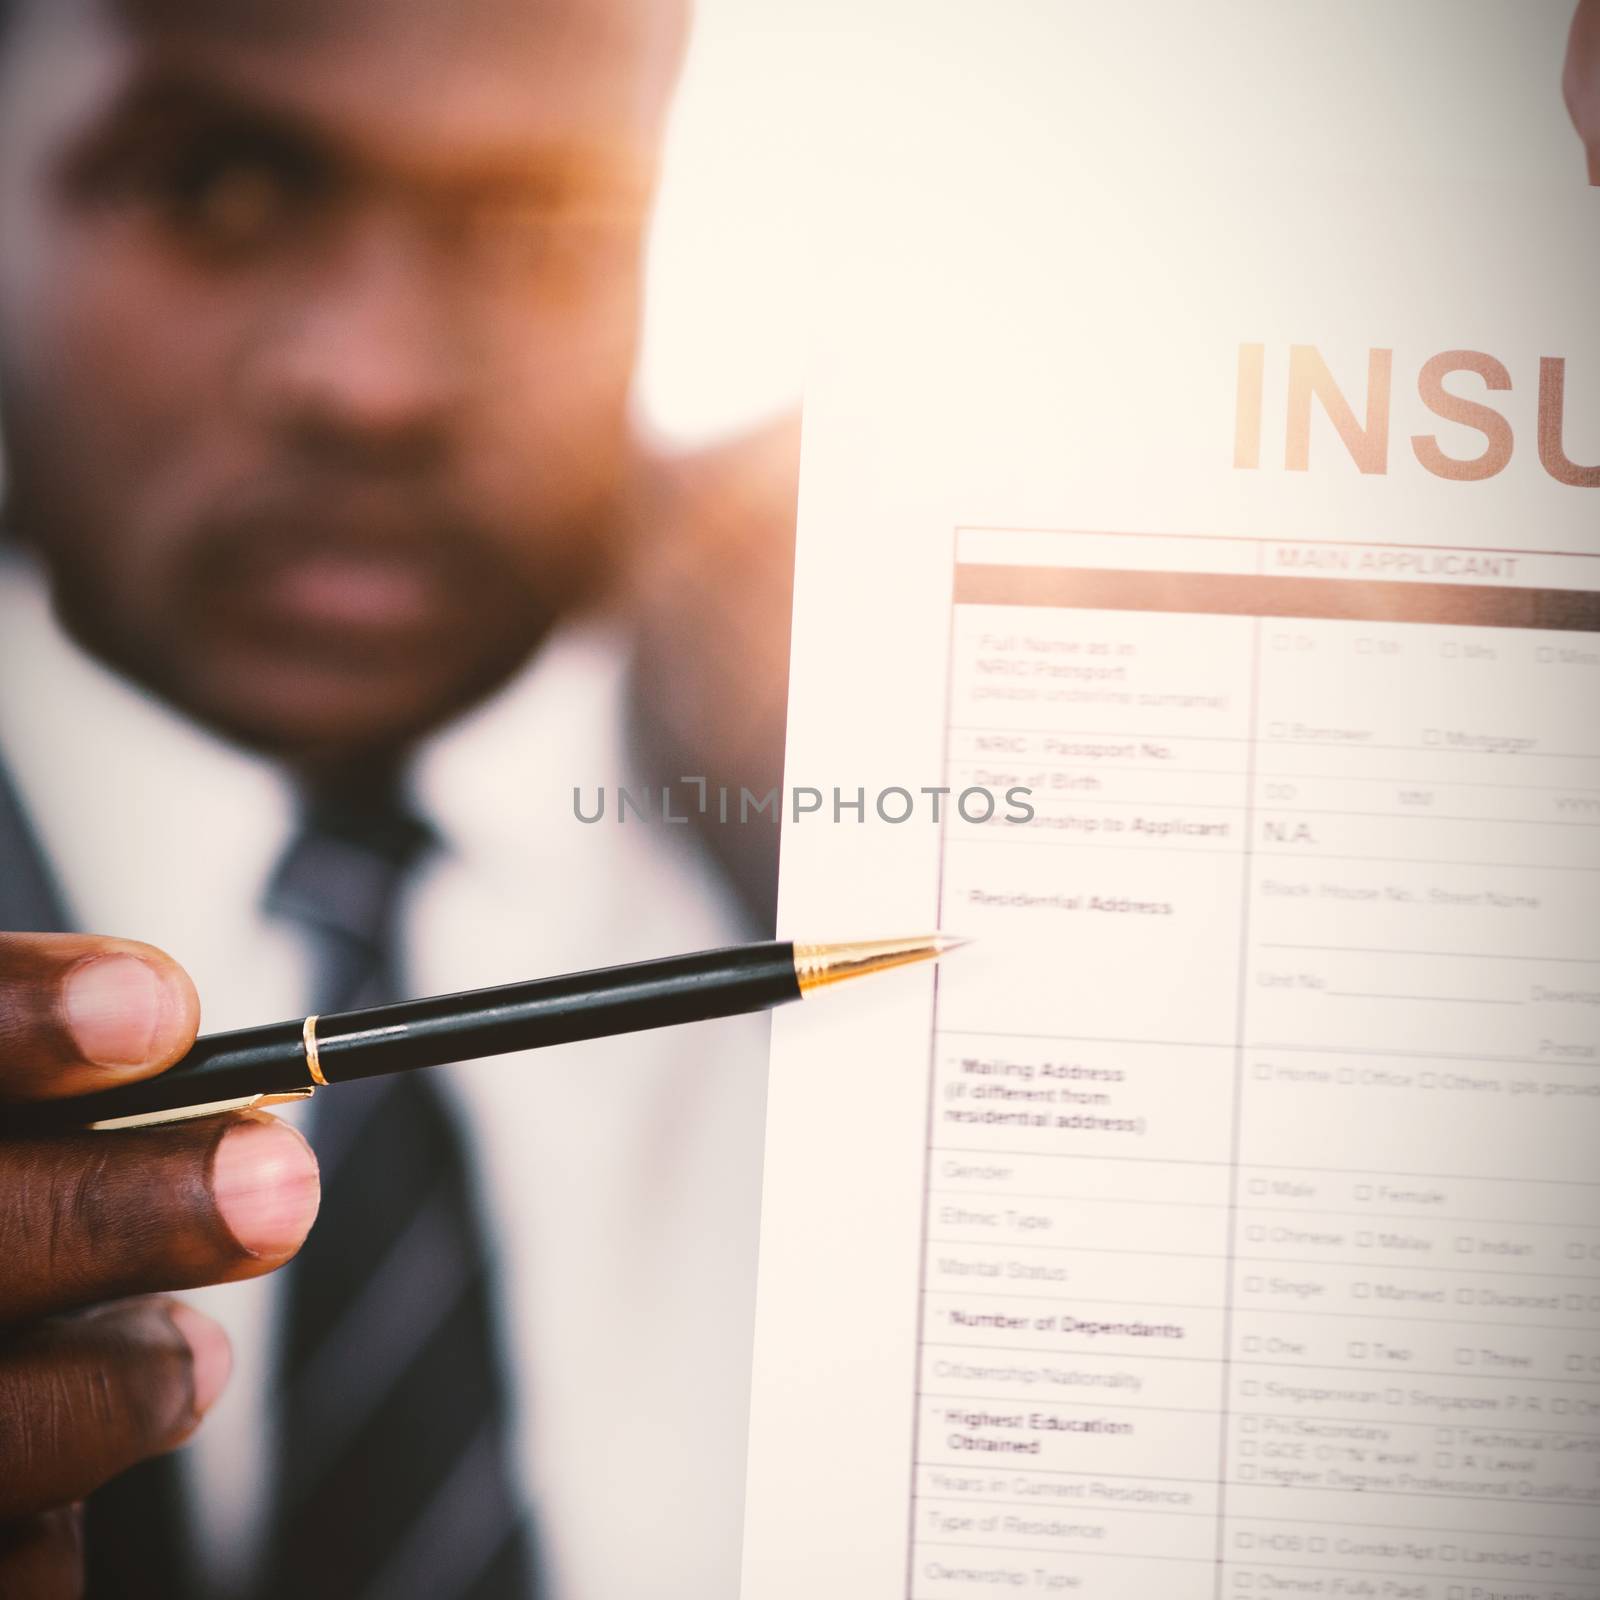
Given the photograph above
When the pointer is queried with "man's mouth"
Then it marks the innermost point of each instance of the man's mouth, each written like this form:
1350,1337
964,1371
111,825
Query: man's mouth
344,579
354,590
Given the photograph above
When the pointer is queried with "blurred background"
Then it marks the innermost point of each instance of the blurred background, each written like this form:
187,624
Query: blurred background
782,104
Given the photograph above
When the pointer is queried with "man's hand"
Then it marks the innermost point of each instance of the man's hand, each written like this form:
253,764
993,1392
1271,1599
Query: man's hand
97,1369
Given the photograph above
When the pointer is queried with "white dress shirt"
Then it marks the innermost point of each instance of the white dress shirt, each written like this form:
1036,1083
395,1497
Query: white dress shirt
621,1177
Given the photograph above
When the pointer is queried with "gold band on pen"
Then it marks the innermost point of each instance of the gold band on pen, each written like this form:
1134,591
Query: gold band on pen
308,1037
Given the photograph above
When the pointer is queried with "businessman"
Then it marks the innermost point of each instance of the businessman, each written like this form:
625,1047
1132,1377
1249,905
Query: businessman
317,320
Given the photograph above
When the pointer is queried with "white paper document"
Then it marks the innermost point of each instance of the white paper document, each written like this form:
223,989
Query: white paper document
1226,1220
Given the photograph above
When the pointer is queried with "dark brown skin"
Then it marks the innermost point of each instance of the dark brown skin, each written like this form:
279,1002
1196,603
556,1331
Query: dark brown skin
317,339
317,319
97,1369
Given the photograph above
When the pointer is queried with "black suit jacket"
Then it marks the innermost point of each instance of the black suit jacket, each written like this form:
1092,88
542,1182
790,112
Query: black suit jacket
137,1548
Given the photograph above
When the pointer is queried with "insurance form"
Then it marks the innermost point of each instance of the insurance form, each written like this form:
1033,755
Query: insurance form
1226,1220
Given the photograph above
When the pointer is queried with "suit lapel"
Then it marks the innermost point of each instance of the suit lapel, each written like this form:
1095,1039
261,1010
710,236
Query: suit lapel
30,900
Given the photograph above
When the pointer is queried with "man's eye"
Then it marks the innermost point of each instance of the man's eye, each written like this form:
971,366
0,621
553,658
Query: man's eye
231,204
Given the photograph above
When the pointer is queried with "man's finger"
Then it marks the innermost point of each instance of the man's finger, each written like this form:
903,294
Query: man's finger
79,1014
85,1397
99,1216
41,1558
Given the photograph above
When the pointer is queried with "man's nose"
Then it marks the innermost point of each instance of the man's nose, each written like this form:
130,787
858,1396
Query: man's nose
366,357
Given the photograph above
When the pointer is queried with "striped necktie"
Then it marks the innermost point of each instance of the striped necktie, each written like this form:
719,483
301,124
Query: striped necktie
392,1472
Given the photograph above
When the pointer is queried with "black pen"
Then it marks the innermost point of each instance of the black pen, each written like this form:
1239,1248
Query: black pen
286,1061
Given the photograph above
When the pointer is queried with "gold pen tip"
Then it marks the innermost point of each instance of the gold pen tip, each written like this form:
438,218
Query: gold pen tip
818,964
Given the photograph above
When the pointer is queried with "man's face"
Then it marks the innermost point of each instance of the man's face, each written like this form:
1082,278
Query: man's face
316,325
1582,80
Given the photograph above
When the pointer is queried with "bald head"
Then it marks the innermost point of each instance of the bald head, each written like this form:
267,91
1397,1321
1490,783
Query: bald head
626,46
1581,81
